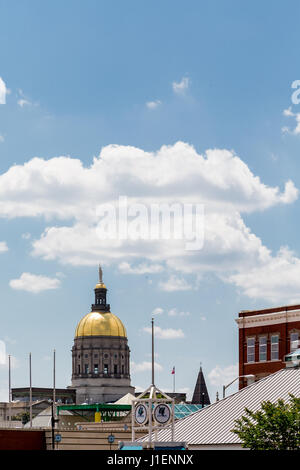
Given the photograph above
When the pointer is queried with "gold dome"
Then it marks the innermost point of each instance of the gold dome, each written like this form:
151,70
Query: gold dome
100,324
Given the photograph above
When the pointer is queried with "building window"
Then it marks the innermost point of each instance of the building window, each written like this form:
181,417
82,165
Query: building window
86,368
250,349
78,368
95,355
263,348
274,347
105,369
122,368
294,341
115,369
86,356
96,369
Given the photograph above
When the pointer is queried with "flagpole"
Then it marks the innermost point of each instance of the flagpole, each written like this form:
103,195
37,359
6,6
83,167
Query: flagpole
9,389
152,322
174,381
30,391
54,390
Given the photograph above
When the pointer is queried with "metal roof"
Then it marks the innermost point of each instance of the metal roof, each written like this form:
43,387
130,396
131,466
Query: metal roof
213,424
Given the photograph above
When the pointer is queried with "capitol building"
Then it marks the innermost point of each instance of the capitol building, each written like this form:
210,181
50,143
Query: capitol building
100,354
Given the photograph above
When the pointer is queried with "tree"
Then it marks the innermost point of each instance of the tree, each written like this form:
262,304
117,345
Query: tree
276,426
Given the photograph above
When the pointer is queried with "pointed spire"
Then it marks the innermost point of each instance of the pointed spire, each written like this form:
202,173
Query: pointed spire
200,395
100,275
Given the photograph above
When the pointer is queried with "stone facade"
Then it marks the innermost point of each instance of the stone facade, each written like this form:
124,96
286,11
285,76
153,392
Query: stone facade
100,369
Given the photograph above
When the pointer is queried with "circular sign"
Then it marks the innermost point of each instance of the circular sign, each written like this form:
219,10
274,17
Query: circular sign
141,414
57,437
111,439
162,413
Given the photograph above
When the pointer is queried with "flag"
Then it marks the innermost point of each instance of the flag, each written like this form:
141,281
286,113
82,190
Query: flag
173,370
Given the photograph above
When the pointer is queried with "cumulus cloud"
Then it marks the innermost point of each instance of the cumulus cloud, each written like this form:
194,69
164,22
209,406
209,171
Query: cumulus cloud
144,366
34,283
182,86
23,100
3,91
153,104
175,313
279,277
174,283
3,247
223,375
1,138
288,113
157,311
143,268
68,195
167,333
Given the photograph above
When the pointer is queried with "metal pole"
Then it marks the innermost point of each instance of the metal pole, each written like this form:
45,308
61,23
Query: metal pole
9,389
52,426
54,391
152,322
174,380
30,391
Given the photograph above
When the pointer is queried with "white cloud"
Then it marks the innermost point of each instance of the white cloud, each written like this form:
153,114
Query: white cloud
175,313
3,247
34,283
26,236
144,366
1,138
288,113
143,268
174,283
168,333
182,86
153,104
23,100
223,376
157,311
61,188
276,280
3,91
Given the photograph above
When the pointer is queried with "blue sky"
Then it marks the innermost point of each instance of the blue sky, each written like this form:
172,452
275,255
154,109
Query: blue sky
80,77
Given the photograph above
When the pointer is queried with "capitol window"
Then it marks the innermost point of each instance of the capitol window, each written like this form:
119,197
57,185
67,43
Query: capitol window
105,369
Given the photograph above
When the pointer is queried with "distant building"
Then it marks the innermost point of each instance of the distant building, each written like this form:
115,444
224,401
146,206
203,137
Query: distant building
200,395
265,337
63,395
100,354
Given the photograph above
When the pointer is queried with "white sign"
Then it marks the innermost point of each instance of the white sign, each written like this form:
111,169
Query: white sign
162,413
141,414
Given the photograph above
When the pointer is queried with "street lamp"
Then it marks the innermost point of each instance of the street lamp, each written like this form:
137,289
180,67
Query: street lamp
249,376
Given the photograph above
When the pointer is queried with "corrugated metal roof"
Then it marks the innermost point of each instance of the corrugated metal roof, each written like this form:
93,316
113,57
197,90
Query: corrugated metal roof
213,424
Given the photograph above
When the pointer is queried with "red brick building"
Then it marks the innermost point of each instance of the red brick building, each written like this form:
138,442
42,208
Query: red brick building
265,336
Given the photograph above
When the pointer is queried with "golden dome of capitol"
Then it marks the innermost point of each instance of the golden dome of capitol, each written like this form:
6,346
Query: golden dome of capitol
100,324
